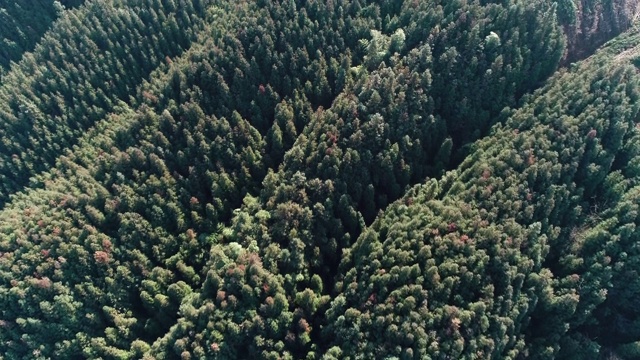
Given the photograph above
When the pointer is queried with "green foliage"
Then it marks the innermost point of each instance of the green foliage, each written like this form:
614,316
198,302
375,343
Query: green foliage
498,259
94,57
22,24
275,179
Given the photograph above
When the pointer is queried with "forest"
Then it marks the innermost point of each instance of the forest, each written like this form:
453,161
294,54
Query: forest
320,179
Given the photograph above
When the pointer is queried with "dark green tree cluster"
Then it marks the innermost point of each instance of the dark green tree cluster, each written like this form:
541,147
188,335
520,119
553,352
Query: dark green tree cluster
213,179
22,24
92,58
380,135
119,242
517,253
383,133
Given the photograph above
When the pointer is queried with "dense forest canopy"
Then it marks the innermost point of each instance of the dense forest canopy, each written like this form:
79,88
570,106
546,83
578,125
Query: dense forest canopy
23,23
346,179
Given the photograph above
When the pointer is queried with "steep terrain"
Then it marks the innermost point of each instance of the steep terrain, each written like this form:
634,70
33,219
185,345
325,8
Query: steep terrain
93,58
22,24
311,179
514,253
588,24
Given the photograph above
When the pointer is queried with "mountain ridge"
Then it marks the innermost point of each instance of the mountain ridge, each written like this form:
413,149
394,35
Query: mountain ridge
251,198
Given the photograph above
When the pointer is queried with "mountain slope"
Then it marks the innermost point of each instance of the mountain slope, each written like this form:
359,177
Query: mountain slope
268,180
93,57
23,23
504,257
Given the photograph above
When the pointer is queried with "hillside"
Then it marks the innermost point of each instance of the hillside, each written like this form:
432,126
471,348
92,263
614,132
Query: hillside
347,179
23,23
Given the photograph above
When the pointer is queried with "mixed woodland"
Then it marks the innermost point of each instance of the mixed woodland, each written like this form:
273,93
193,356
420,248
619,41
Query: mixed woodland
319,179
